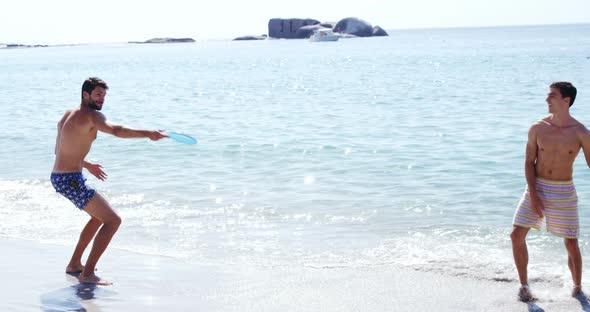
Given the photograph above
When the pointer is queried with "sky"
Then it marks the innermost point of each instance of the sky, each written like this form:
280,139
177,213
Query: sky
106,21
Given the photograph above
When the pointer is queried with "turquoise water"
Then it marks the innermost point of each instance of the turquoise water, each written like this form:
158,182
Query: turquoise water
404,150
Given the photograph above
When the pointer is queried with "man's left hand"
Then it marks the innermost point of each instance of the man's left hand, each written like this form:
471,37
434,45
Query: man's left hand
96,170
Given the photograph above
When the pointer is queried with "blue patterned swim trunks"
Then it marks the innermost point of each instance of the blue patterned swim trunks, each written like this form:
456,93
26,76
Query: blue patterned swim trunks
72,185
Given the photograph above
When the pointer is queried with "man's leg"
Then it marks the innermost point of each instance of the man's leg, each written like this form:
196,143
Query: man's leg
520,252
521,260
75,265
100,209
574,262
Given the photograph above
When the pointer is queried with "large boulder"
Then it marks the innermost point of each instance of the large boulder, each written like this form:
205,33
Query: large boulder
287,28
307,31
354,26
378,31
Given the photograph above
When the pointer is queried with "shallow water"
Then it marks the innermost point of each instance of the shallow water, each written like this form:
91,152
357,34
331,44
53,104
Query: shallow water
404,150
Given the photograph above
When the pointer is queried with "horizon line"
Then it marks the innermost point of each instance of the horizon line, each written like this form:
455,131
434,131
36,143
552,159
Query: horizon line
231,38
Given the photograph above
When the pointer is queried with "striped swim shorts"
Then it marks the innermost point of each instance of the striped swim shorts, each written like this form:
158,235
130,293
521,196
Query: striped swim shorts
561,208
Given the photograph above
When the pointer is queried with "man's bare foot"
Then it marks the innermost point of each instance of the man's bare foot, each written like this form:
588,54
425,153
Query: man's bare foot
577,291
93,279
525,294
74,269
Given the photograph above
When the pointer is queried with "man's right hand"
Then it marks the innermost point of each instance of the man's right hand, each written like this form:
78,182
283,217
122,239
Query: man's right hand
537,205
157,135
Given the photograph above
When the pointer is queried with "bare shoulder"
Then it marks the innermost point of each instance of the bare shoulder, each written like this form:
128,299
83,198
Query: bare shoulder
64,117
95,117
535,126
67,113
582,131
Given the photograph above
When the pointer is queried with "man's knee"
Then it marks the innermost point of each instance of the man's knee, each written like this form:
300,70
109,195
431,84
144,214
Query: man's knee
115,221
518,234
571,244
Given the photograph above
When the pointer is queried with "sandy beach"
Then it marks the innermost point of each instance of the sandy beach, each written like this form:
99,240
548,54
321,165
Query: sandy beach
34,279
372,174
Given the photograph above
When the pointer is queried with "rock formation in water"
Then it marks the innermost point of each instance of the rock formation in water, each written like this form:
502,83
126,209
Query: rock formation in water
165,40
378,31
261,37
300,28
354,26
287,28
18,45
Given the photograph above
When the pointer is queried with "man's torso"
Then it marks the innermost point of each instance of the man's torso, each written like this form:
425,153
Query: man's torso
75,135
557,149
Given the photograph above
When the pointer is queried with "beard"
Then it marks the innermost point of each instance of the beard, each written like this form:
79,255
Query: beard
92,104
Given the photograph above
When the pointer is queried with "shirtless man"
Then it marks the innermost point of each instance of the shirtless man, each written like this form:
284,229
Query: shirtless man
553,144
76,131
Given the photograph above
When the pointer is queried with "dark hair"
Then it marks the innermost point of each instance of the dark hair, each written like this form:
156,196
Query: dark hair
566,89
91,83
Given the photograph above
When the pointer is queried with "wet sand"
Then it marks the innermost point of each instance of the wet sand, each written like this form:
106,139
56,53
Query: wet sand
34,279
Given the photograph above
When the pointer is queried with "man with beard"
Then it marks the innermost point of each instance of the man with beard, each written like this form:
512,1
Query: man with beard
76,131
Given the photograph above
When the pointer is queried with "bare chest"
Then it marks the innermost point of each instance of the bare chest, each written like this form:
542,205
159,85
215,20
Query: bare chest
560,141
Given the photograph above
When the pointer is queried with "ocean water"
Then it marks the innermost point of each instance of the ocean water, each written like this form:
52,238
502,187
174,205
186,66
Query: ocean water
405,150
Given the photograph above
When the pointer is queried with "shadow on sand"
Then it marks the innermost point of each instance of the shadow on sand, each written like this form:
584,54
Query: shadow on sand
534,308
70,298
584,301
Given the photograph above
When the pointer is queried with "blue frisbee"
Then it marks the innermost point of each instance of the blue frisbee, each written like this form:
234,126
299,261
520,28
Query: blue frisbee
182,138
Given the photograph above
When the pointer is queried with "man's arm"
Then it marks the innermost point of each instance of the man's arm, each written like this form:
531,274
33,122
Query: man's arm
530,171
101,124
584,136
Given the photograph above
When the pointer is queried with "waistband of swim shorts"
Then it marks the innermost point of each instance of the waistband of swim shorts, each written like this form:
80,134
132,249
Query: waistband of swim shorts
555,183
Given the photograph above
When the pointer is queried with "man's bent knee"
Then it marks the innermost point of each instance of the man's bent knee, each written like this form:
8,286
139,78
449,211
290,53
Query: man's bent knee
117,220
113,220
100,209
